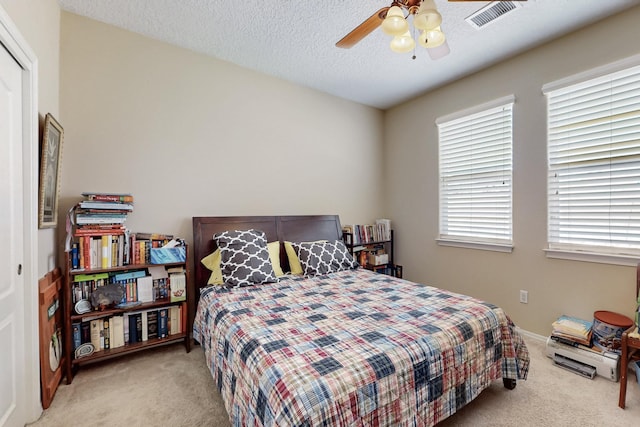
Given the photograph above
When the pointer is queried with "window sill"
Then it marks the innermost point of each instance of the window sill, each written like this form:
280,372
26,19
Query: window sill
602,258
485,246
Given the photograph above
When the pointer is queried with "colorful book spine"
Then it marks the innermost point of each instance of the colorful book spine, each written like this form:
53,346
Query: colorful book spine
138,317
118,198
77,335
152,324
85,332
107,334
75,256
133,329
96,332
163,322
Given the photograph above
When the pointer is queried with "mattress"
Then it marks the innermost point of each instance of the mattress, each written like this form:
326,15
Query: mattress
352,348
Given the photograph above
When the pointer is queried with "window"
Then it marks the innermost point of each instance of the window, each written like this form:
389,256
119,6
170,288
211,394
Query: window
475,176
594,164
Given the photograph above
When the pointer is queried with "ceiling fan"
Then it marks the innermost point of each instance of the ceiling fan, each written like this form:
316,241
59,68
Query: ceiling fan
394,21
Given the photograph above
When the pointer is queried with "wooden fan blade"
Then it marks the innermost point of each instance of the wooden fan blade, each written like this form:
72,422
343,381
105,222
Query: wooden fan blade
364,29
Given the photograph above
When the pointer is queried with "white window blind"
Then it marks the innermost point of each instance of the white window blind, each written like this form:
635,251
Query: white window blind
594,165
475,175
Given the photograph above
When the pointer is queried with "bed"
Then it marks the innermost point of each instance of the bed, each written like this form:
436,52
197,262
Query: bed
347,347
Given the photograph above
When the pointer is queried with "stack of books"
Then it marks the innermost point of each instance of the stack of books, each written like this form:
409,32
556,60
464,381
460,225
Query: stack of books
572,330
100,239
368,233
103,210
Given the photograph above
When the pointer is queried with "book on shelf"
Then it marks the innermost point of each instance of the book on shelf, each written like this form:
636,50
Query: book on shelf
75,256
145,289
109,197
133,328
145,326
85,219
135,274
106,206
106,333
152,324
163,322
174,320
85,332
94,232
77,334
138,317
125,327
380,231
117,331
153,236
96,333
178,287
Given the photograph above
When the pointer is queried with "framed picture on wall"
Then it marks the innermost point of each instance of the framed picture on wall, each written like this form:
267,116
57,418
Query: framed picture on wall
50,160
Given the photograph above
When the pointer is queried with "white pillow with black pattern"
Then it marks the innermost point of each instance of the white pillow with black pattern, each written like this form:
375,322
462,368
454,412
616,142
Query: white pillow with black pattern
324,257
244,258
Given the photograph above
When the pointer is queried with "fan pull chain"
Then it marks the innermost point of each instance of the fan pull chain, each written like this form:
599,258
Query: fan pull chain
414,45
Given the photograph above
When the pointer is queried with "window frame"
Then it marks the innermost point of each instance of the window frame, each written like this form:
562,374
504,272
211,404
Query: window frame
589,253
469,242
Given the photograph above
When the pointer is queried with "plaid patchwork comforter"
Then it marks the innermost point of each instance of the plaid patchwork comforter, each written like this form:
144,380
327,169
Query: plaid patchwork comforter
352,348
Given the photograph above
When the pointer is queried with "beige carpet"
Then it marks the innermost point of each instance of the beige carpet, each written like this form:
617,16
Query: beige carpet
169,387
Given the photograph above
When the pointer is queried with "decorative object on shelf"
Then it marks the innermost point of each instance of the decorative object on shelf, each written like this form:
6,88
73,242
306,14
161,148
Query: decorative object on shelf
52,139
166,255
107,296
84,350
394,21
83,306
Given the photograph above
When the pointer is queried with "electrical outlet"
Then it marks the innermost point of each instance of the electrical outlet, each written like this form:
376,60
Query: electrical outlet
524,296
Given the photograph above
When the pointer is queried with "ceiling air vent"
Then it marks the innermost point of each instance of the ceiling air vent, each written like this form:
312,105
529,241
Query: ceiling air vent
491,12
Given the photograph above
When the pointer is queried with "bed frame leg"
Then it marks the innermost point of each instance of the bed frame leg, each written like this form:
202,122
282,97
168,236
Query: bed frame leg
509,383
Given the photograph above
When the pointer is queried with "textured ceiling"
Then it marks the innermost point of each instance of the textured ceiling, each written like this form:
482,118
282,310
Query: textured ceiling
295,40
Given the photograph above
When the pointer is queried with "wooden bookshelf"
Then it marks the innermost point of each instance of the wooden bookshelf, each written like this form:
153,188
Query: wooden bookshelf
364,247
71,317
129,348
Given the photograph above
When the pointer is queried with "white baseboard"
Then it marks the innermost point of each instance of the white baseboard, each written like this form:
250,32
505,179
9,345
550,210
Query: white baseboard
531,335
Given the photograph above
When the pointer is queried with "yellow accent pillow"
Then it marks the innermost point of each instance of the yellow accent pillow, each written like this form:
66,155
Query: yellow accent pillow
274,256
212,262
294,261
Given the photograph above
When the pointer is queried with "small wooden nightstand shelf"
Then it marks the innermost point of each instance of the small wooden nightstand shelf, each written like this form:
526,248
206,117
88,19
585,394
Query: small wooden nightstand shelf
630,350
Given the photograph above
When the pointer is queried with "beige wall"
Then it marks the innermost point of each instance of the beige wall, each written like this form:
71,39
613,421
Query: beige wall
555,286
39,24
191,135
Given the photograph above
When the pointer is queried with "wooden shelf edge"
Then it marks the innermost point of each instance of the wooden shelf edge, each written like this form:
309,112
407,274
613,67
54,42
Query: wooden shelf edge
120,268
116,311
128,348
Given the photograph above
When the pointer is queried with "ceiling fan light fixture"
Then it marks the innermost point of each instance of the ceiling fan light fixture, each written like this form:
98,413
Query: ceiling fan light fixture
395,24
403,43
427,20
439,52
431,38
427,17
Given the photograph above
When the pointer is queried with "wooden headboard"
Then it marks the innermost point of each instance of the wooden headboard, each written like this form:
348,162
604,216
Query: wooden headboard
294,228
